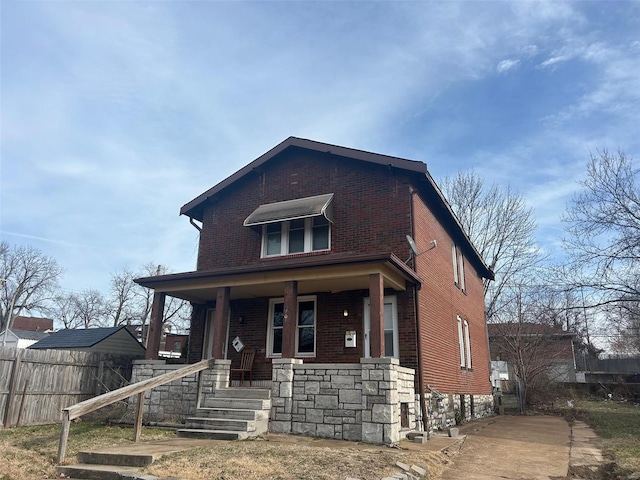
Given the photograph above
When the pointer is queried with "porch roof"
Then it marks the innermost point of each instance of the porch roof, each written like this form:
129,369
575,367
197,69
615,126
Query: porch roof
318,273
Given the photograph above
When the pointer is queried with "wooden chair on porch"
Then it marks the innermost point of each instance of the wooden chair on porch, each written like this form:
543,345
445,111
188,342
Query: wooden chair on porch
246,366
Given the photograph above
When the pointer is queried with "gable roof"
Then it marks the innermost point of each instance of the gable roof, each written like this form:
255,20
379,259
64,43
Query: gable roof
195,208
80,338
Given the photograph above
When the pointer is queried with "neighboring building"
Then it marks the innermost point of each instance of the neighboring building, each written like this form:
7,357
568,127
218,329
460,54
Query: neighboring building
20,338
34,324
304,258
174,343
114,340
546,349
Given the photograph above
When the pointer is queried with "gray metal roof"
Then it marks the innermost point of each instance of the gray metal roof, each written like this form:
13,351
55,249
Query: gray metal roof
80,338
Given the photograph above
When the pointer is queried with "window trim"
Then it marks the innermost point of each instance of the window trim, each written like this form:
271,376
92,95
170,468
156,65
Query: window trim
467,340
284,238
457,259
270,327
461,343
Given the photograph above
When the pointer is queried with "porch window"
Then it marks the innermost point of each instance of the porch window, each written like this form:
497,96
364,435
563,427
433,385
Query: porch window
305,327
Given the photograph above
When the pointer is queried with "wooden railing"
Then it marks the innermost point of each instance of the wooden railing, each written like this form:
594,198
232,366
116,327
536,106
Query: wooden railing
82,408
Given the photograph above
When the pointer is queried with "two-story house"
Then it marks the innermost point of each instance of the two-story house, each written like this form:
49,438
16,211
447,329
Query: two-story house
351,278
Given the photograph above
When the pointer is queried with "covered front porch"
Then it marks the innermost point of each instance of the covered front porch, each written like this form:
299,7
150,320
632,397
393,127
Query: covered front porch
336,308
326,331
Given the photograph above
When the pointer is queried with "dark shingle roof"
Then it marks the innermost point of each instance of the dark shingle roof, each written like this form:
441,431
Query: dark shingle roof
82,338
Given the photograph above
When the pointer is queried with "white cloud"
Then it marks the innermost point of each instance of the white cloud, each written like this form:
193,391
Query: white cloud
505,65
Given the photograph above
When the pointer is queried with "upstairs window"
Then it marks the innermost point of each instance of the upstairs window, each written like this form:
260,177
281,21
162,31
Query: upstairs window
293,226
458,267
296,236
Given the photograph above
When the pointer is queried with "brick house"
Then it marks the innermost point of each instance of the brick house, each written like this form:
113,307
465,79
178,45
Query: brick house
549,350
304,257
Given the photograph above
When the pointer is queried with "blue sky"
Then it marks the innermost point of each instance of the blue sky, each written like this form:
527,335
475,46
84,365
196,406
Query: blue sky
115,114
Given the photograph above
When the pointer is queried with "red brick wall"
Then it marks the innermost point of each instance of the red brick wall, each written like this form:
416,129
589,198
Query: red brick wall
32,323
370,207
372,212
330,334
440,302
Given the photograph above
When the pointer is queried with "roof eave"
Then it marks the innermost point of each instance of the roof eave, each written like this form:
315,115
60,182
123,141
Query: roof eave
193,209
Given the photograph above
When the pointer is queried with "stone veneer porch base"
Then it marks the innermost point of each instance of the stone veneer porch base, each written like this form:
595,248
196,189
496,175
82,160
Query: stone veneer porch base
360,402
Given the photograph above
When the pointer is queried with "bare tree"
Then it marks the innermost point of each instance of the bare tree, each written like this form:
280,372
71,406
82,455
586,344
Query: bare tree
501,228
28,278
537,350
90,308
64,310
624,321
603,237
122,297
603,226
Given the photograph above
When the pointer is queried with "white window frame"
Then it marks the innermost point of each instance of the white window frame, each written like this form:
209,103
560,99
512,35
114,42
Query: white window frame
461,343
284,238
306,298
467,341
457,259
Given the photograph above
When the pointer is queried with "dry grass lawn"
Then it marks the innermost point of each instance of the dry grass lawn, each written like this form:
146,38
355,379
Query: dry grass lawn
282,457
29,453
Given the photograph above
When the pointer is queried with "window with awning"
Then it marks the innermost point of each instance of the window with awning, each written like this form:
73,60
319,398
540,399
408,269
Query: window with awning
318,205
294,226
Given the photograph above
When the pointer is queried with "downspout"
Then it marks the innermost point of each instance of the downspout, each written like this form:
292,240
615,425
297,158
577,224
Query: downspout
198,227
421,386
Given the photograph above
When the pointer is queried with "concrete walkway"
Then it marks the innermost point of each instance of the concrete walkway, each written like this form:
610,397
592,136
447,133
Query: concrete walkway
525,447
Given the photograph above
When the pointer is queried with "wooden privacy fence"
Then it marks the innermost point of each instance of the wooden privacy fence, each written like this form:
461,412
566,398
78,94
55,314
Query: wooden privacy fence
35,385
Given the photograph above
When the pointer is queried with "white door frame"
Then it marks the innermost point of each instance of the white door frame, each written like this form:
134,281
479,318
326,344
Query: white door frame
388,300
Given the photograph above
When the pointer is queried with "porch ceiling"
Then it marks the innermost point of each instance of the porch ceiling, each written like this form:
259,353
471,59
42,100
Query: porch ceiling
315,274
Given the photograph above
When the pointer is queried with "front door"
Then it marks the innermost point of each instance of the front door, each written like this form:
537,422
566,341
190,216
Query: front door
391,344
208,335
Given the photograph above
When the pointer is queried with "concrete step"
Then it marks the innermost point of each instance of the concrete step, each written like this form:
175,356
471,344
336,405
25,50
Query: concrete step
200,423
243,393
212,434
116,459
232,413
101,472
236,403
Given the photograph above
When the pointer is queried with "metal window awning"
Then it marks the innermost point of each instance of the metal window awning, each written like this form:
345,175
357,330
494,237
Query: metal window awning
291,210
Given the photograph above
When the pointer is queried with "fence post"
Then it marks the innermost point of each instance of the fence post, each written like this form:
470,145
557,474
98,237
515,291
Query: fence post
12,389
138,428
99,380
64,435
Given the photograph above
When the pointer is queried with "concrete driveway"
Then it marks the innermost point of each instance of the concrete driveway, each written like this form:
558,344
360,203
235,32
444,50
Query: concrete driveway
513,447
